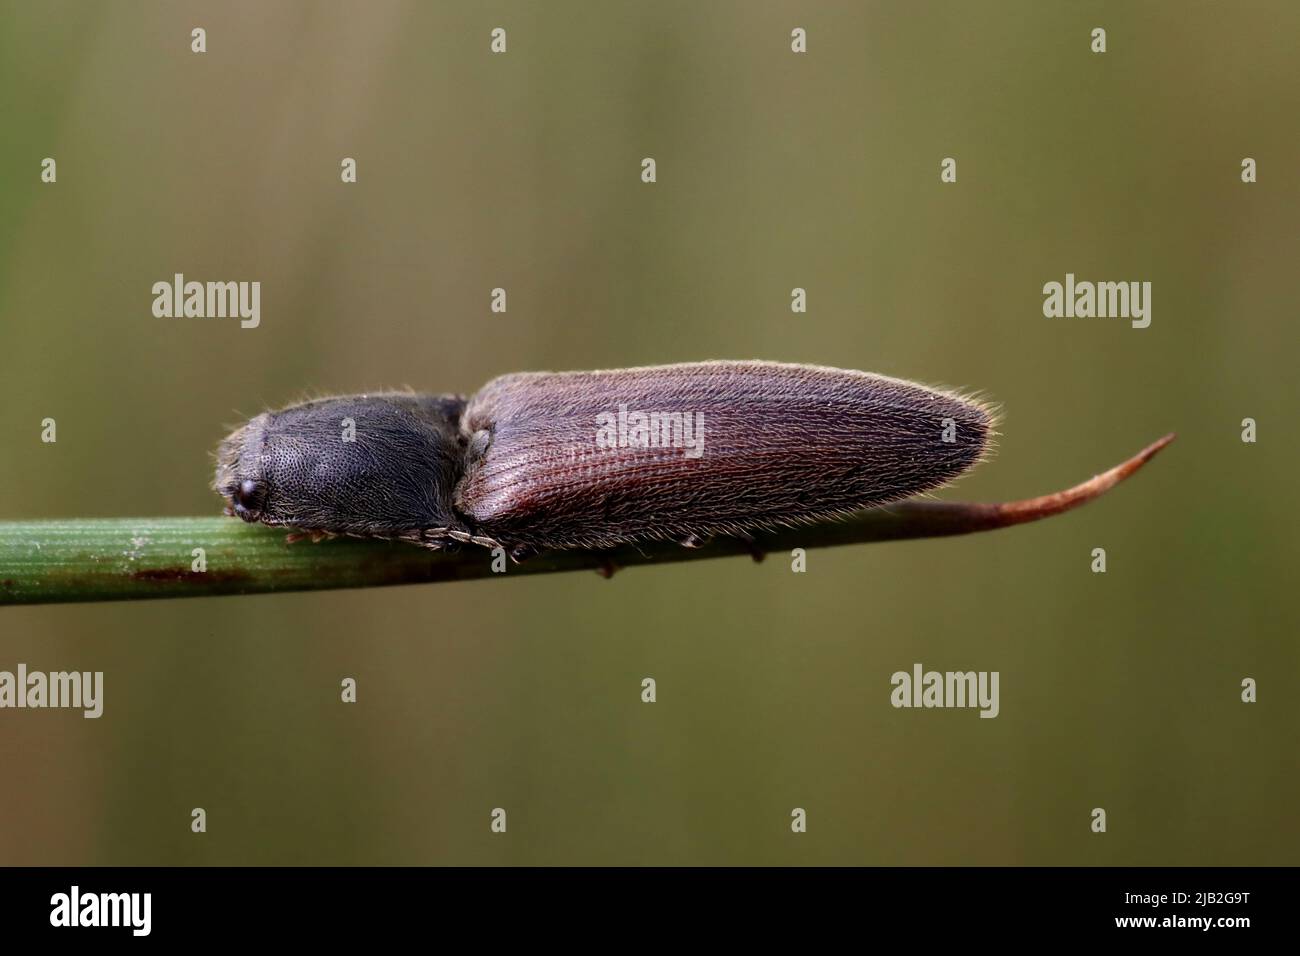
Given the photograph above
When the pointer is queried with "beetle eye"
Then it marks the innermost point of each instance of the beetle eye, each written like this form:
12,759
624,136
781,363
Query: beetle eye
246,493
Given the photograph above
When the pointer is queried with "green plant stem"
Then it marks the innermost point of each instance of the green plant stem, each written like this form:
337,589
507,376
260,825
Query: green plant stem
44,562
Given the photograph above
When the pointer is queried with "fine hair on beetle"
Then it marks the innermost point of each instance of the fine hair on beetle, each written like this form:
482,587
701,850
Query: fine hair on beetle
541,461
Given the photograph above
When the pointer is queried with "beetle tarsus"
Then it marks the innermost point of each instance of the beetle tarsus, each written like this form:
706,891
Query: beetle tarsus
315,534
755,551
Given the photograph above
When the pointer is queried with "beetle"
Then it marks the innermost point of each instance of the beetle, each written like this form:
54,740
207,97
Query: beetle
559,460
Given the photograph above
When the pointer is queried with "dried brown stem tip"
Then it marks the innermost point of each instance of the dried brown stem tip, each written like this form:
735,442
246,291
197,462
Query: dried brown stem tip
924,519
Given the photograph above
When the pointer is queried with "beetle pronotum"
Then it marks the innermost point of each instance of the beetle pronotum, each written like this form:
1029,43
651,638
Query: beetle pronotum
547,461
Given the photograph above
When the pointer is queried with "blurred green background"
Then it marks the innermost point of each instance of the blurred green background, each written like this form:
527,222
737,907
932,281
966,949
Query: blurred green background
775,170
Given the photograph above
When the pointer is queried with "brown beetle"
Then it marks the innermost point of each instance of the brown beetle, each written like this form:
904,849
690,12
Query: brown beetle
542,461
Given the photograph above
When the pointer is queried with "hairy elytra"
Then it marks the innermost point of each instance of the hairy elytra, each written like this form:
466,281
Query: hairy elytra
554,460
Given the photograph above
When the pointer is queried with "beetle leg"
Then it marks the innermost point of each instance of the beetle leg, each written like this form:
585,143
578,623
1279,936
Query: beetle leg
302,534
755,552
434,539
467,538
522,552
